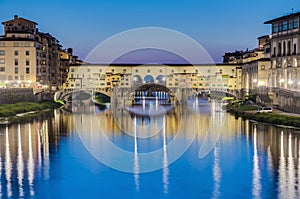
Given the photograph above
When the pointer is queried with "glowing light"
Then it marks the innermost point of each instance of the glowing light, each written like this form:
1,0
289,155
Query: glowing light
281,80
290,81
19,82
254,80
261,83
6,81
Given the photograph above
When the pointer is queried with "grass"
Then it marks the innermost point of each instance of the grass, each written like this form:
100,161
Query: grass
272,118
9,110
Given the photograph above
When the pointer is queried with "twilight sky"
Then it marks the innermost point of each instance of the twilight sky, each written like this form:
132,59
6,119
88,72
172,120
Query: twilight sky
218,25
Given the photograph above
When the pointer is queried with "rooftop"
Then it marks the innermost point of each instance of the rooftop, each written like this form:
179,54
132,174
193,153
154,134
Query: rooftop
283,18
20,18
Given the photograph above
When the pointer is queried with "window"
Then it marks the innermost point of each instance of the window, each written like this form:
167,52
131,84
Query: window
284,25
124,70
2,61
262,67
280,26
16,77
274,51
208,71
136,70
44,62
27,52
27,70
2,52
275,28
16,70
16,62
2,69
2,77
16,44
296,23
72,69
148,70
295,49
100,70
22,77
27,44
184,71
16,53
2,44
88,70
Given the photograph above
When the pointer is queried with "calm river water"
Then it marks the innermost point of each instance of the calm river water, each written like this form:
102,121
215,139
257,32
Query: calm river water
197,151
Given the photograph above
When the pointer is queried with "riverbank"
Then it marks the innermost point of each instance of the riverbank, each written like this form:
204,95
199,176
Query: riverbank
248,112
22,108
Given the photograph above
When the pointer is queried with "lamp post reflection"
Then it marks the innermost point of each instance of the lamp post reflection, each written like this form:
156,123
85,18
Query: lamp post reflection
136,158
165,160
216,173
30,164
8,165
282,170
256,185
20,164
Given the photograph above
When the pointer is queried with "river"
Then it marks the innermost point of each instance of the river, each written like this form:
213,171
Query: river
196,151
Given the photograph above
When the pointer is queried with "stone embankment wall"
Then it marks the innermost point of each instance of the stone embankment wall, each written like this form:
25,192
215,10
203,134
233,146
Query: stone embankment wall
283,99
289,101
15,95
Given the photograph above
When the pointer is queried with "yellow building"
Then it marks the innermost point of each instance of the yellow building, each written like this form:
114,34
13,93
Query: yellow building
19,53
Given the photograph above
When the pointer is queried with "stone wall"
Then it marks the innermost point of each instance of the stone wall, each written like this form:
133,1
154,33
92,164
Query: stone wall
15,95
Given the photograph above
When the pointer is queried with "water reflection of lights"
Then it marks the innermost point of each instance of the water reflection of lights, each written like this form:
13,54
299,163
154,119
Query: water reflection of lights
0,174
165,161
20,164
256,184
282,169
291,171
136,159
8,165
216,173
30,164
216,124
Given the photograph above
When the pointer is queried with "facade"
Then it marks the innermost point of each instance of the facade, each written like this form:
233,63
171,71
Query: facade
285,51
202,78
29,58
19,53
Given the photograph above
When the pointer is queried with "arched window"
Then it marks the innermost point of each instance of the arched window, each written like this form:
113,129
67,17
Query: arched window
279,49
284,48
137,79
149,79
289,48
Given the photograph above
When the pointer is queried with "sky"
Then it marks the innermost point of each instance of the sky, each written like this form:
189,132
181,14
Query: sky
218,25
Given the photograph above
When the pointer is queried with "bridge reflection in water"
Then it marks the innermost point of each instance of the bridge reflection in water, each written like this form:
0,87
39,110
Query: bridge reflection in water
263,159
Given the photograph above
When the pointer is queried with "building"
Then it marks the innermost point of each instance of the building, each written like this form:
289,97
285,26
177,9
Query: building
29,58
285,48
256,68
19,53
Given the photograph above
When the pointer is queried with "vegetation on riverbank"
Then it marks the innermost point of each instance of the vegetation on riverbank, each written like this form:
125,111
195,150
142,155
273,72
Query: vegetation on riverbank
10,110
272,118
